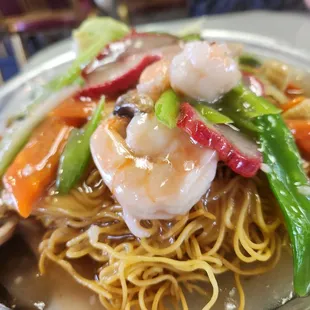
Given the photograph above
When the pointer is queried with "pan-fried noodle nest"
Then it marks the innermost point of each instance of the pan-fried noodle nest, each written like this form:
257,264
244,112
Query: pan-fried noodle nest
235,227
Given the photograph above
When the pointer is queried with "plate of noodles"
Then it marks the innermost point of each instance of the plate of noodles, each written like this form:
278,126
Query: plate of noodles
153,171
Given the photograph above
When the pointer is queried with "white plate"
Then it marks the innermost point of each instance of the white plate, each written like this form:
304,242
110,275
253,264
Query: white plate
22,89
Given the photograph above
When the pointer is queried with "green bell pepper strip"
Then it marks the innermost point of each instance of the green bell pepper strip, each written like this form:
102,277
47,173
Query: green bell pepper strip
249,60
167,108
285,177
242,106
211,114
244,101
76,155
239,120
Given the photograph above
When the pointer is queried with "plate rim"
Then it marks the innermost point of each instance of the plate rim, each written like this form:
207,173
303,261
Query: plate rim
254,40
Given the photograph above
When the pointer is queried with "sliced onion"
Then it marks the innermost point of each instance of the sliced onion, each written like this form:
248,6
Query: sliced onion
253,83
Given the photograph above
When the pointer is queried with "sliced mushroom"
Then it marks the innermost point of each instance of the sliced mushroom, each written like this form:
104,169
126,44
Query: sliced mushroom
132,103
7,228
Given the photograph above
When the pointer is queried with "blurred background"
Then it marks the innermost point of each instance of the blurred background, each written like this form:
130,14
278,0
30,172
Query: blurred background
27,26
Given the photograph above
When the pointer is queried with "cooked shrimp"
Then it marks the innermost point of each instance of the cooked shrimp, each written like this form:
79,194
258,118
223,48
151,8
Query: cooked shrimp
153,171
155,78
204,71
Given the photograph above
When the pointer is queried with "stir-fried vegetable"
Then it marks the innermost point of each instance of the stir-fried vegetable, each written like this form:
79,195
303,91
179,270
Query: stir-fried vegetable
301,132
211,114
191,37
249,60
276,73
288,180
273,92
92,29
291,104
293,91
252,82
167,108
93,35
242,106
76,155
300,111
286,176
35,167
249,105
74,111
20,115
17,136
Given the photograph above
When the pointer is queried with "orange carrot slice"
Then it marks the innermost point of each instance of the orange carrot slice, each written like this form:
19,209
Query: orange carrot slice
35,167
301,131
74,111
292,103
293,91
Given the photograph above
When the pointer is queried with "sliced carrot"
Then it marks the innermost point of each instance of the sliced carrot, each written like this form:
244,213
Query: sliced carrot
74,110
294,102
301,131
34,168
299,128
301,111
293,91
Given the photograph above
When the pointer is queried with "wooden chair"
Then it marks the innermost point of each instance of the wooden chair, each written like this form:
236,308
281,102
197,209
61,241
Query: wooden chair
25,17
137,11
